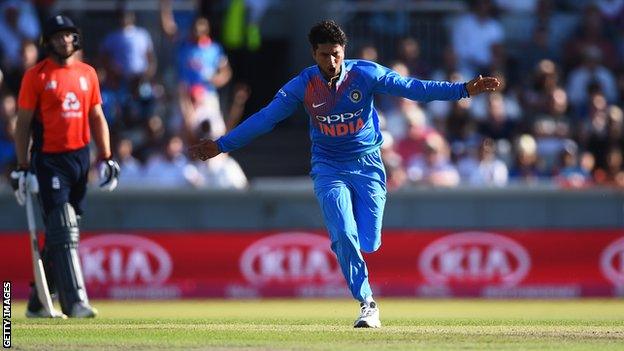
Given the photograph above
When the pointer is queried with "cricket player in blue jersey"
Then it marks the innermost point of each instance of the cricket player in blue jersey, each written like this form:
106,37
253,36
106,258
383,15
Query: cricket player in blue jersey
347,170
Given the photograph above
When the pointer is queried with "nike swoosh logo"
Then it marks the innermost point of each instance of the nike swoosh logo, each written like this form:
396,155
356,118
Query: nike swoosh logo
318,105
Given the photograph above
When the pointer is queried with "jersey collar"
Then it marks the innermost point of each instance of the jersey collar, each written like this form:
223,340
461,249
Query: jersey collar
341,77
343,74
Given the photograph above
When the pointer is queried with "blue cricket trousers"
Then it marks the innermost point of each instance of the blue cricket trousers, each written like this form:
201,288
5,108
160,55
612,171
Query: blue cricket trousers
352,195
62,178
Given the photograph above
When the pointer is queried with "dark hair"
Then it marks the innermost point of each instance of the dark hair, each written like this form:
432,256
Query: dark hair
326,32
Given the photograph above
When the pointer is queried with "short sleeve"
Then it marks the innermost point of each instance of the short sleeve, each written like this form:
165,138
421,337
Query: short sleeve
96,96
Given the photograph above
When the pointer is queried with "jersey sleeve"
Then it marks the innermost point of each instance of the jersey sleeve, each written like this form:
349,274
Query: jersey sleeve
28,97
387,81
282,106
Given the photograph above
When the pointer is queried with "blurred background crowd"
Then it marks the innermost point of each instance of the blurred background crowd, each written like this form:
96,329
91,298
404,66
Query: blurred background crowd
173,72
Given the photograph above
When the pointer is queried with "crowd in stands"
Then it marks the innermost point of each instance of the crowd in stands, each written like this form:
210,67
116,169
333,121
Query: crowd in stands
556,120
149,136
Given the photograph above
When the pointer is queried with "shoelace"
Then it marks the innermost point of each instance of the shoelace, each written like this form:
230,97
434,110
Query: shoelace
367,311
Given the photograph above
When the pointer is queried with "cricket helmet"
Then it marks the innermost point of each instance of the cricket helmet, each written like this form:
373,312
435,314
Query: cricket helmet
56,24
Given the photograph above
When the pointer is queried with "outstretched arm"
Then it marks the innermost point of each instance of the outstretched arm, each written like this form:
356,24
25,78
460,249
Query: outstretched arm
282,106
387,81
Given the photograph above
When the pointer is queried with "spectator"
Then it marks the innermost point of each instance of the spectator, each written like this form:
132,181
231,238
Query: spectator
237,107
475,36
603,131
552,129
479,107
18,22
152,139
132,175
526,168
128,52
613,173
408,52
589,73
460,126
544,80
202,69
486,169
396,176
434,167
570,172
368,52
538,48
450,68
172,169
592,33
129,61
398,119
29,53
220,172
417,132
497,125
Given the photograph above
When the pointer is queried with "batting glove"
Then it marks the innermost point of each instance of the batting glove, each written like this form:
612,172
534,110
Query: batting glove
109,174
23,181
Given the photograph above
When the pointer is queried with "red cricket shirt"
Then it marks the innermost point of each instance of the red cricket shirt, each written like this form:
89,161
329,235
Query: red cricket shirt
61,97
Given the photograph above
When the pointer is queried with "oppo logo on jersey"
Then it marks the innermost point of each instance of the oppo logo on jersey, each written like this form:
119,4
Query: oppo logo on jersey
340,124
341,118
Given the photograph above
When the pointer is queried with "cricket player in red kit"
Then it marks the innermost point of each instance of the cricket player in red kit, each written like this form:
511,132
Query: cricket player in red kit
60,108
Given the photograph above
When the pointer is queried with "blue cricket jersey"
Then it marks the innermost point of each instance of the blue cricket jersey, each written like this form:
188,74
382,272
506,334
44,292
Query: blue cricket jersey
344,124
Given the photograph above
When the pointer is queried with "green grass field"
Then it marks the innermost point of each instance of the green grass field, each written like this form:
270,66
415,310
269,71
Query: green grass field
327,325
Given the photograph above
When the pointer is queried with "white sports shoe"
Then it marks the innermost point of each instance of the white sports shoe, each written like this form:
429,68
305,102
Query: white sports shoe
83,310
369,316
42,313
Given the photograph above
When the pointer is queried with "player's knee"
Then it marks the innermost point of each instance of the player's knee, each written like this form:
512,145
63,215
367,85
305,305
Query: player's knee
370,242
371,247
62,226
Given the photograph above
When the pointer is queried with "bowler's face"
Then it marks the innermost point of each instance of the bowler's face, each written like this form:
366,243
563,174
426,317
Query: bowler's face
329,58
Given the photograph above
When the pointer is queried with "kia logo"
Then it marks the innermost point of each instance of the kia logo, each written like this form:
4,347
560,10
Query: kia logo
612,262
290,258
474,257
124,259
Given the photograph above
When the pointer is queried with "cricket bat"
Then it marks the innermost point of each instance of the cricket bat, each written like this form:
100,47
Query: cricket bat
40,278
